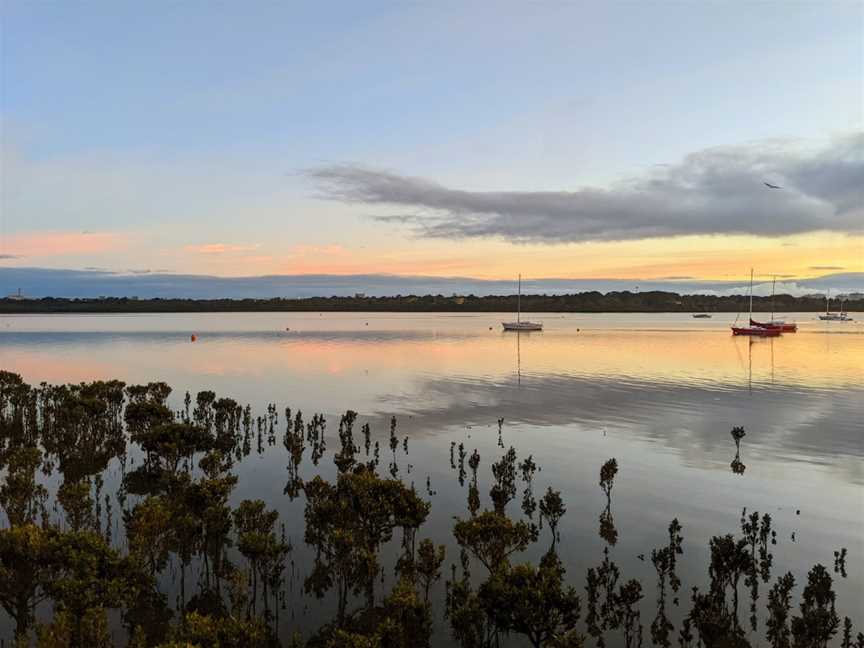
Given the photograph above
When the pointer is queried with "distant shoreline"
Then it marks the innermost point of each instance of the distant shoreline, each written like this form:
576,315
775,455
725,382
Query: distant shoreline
589,302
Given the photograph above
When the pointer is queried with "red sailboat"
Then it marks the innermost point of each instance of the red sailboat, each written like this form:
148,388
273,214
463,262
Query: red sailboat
781,325
753,329
756,331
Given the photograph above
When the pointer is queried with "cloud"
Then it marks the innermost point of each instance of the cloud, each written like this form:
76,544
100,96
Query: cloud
9,256
42,282
316,250
714,191
52,244
219,248
826,267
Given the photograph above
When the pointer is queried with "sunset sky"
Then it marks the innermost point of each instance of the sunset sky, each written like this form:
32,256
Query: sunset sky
572,140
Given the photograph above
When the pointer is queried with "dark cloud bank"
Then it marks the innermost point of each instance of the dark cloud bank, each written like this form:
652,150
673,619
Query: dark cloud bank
716,191
44,282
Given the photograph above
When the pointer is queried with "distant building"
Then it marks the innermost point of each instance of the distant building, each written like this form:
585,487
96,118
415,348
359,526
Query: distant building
359,295
18,296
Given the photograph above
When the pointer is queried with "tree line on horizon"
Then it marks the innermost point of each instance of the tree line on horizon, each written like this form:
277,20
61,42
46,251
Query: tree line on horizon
586,302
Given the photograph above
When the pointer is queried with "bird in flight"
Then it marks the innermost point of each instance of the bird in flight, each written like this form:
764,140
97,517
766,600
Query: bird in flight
771,186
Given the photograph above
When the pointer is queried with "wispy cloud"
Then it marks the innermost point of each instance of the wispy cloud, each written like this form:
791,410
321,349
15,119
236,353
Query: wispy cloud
219,248
53,244
714,191
8,256
305,250
826,267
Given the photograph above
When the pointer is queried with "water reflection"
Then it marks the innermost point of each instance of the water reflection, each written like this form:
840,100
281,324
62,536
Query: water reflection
666,394
683,388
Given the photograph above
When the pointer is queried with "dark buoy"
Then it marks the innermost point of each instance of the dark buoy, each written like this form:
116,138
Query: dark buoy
193,337
287,328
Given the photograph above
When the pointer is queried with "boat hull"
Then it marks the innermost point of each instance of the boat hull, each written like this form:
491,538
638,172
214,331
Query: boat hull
522,326
755,331
784,327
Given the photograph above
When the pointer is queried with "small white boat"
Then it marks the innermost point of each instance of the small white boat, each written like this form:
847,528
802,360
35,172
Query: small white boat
519,325
522,326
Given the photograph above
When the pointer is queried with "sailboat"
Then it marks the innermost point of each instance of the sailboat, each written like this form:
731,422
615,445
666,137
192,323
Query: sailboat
754,330
791,327
519,325
842,316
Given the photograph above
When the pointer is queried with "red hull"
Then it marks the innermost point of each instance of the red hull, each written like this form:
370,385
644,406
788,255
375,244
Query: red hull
784,328
756,331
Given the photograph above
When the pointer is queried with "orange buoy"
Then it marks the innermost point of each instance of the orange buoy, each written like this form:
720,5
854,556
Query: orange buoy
194,337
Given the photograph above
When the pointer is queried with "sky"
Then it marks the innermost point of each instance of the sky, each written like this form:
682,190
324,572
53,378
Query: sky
572,140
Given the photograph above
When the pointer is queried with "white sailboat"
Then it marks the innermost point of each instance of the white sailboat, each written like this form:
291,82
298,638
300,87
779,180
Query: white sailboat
842,316
519,325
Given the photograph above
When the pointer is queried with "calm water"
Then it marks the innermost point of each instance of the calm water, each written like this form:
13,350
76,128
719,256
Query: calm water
658,392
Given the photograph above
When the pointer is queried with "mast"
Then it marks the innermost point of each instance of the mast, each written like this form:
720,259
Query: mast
519,301
773,283
751,293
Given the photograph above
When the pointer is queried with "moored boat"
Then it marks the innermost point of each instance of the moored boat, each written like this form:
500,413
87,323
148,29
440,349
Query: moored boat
753,330
784,327
835,317
756,331
842,316
522,326
519,325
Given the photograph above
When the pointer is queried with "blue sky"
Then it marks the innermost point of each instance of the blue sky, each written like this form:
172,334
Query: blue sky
169,127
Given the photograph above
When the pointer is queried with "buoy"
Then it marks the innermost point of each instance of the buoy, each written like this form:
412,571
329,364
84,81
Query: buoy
287,328
194,337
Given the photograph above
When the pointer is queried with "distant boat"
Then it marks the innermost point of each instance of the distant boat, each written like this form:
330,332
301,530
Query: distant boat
701,316
752,330
836,317
519,325
842,316
785,327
